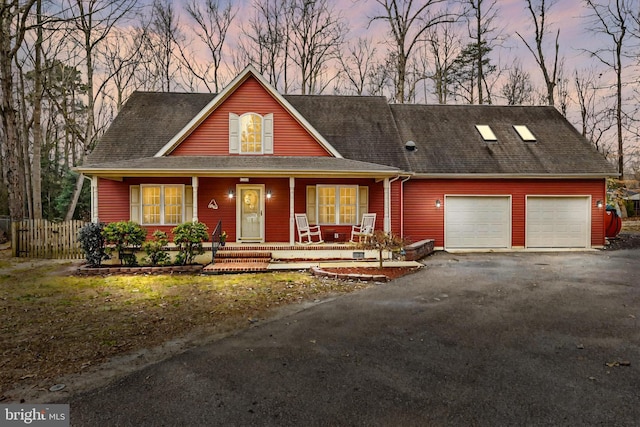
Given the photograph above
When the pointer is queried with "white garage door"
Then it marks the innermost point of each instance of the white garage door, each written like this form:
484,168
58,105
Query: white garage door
477,222
558,222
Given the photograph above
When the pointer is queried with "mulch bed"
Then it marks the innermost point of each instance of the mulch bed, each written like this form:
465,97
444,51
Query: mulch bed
390,272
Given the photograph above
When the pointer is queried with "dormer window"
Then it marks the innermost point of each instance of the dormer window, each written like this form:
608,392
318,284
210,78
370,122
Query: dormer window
486,133
250,133
525,133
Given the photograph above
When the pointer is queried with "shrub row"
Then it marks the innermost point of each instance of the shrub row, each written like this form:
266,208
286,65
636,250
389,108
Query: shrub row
100,240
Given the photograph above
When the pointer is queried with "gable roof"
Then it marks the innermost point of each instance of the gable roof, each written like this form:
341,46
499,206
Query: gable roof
369,130
447,141
218,99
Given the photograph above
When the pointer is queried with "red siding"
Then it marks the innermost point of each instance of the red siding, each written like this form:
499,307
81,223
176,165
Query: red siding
276,209
376,199
422,220
113,203
212,136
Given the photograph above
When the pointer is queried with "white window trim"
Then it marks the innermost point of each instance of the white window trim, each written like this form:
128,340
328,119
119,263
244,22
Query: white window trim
337,204
162,203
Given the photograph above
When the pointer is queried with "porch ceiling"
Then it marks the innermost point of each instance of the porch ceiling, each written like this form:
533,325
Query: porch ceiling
230,166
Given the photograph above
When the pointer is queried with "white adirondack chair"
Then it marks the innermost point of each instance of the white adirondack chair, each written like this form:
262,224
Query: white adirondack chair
365,229
307,231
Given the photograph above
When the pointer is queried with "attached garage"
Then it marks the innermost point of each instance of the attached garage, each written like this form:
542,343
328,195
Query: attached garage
477,222
558,222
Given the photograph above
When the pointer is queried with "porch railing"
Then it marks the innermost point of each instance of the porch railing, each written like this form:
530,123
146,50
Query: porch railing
215,241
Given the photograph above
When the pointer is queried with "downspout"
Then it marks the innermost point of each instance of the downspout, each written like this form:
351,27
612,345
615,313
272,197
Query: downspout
402,205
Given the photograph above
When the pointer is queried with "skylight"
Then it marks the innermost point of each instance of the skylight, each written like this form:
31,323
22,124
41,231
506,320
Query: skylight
486,133
524,133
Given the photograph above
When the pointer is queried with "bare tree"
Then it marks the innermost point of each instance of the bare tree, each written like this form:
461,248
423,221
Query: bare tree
268,40
161,41
480,25
123,62
444,47
538,14
518,89
358,64
316,38
91,22
595,120
408,27
13,26
213,23
612,19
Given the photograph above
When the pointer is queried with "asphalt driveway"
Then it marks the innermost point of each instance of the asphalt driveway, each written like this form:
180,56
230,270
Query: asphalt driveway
472,339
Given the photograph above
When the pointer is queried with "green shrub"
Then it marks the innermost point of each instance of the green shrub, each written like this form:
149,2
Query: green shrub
92,242
188,237
156,249
126,238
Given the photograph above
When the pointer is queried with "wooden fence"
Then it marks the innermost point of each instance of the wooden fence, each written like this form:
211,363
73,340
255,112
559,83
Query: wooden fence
39,238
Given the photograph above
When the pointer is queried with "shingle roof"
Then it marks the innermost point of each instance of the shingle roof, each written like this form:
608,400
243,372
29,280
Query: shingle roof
369,130
146,123
447,141
359,127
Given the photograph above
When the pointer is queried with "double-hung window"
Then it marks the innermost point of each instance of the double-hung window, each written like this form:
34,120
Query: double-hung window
337,204
160,204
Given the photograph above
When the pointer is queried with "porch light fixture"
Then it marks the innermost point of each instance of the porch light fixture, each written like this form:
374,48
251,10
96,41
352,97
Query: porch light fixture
268,194
438,204
230,194
599,204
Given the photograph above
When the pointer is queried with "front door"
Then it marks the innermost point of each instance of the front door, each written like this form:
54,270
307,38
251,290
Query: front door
250,209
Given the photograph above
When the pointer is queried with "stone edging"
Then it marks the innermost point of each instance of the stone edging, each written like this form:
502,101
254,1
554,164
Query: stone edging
317,271
115,269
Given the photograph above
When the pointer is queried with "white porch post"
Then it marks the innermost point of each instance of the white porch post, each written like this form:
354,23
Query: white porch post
292,187
94,199
387,205
194,186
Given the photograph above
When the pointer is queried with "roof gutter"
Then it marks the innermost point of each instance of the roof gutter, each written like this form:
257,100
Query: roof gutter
118,173
511,176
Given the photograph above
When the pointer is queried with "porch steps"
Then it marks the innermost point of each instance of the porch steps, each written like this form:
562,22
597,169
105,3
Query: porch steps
239,260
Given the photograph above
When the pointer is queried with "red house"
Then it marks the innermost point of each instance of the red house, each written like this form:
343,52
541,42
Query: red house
467,176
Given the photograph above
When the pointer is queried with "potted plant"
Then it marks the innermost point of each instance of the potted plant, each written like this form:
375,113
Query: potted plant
223,238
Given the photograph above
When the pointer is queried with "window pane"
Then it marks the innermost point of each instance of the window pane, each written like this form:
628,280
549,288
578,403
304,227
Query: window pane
348,205
251,133
326,205
172,205
150,205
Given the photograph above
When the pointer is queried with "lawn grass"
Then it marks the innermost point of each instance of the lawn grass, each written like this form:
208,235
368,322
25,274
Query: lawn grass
53,323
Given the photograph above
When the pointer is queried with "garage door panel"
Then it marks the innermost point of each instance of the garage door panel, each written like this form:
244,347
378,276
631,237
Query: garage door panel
477,222
557,222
